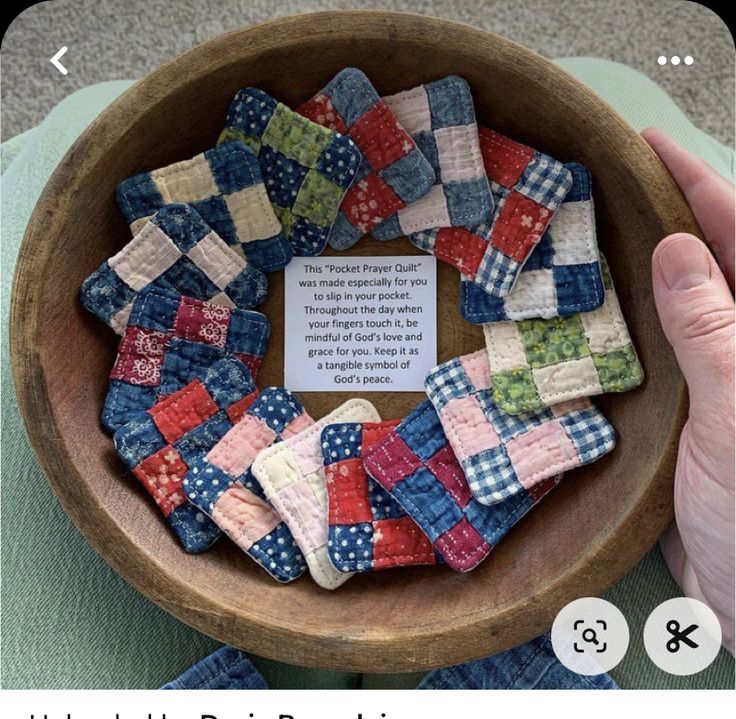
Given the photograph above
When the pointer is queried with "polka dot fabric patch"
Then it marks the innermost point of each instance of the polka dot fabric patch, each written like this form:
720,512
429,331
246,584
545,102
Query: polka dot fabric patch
171,339
367,528
223,487
394,173
175,250
562,275
440,117
538,363
162,443
501,454
307,168
292,475
224,185
416,464
527,187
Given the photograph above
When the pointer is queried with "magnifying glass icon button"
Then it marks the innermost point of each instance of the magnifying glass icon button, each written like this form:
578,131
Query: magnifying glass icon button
589,635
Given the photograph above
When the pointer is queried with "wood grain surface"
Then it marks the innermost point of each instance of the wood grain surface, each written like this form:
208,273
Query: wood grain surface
578,542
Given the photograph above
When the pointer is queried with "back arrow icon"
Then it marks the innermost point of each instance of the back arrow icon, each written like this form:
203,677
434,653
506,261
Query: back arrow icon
55,61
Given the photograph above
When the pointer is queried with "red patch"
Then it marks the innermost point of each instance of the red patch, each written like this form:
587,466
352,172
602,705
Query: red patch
162,474
400,542
380,137
541,489
370,201
347,487
504,159
252,362
462,546
321,110
140,357
444,465
519,226
372,432
460,248
182,411
394,459
202,321
236,410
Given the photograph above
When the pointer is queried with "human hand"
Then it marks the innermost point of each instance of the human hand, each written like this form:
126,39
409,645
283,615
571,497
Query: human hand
693,292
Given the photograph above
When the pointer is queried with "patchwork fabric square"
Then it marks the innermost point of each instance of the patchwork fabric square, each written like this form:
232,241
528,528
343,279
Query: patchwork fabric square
527,188
440,117
307,168
503,454
416,464
162,443
538,363
394,172
562,275
224,185
175,250
171,339
367,528
223,487
292,475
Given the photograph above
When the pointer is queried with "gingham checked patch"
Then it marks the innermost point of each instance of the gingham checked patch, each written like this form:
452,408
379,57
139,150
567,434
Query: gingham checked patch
224,185
527,189
562,275
416,464
223,487
175,250
292,475
169,340
307,168
538,363
367,527
394,173
162,443
441,120
504,454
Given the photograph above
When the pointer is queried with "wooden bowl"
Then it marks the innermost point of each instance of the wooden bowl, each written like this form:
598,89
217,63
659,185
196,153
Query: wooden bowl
582,539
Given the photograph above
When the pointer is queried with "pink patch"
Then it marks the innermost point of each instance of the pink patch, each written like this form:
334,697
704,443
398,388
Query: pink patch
298,424
237,450
244,517
467,428
563,408
478,369
540,452
305,516
447,469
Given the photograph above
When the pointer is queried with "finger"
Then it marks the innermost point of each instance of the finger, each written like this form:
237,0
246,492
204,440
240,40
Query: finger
709,195
696,310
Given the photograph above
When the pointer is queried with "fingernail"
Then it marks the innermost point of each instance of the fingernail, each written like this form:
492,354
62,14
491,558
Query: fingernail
684,263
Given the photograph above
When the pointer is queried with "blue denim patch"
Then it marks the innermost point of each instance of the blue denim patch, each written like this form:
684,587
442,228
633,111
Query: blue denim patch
350,546
250,111
200,440
228,381
343,234
308,239
340,162
408,176
123,403
154,309
351,93
428,147
214,210
450,102
388,229
284,179
185,278
184,361
234,167
468,202
579,288
249,335
182,225
422,431
138,199
195,530
104,293
227,668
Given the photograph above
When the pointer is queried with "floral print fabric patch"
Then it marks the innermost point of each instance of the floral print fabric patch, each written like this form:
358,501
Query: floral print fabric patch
538,363
224,185
501,454
222,485
292,475
527,188
162,443
440,117
307,168
169,340
562,275
177,251
367,528
416,464
394,173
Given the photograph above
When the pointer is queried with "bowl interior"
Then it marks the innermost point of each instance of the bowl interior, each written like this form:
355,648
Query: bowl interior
576,543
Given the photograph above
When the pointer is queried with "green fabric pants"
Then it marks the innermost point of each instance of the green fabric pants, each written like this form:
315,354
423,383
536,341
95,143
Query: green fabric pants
69,622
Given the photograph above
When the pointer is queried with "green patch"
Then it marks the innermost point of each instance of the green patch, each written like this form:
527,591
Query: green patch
548,342
318,199
619,370
514,390
285,217
230,133
296,137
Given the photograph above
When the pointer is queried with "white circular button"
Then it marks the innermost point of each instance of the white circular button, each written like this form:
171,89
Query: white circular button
682,636
662,60
590,636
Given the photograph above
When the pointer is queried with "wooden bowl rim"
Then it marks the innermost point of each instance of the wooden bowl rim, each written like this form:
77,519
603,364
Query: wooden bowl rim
276,639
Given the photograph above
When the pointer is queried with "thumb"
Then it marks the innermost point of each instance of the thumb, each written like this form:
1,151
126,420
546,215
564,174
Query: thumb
696,310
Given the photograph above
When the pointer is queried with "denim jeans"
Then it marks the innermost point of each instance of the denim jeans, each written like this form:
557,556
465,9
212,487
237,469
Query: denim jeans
530,666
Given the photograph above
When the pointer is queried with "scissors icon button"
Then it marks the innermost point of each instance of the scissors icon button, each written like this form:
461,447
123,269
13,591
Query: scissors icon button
673,627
